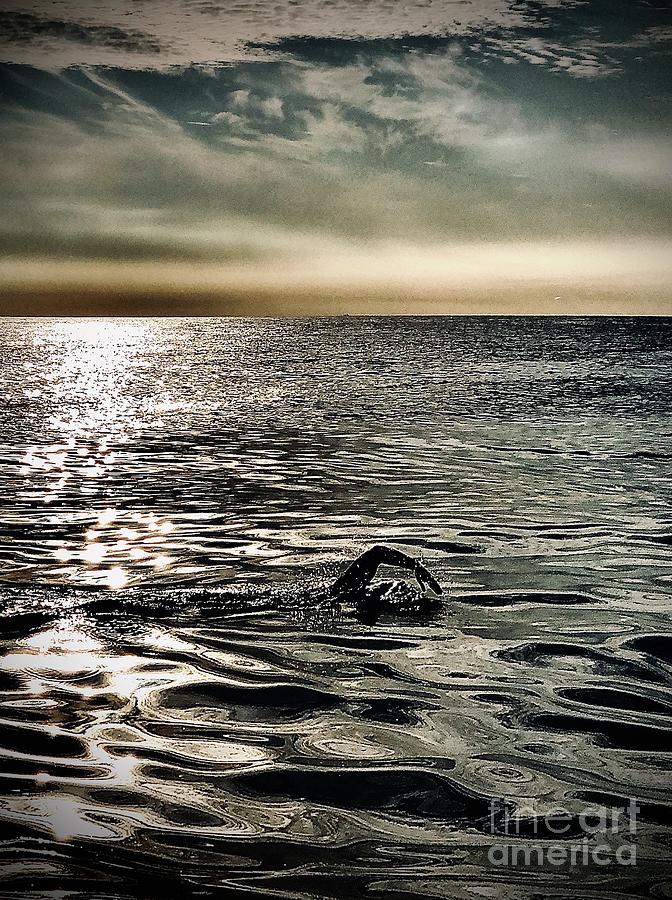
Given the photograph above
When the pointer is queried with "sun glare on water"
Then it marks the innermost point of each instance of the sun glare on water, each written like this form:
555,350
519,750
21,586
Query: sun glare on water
92,406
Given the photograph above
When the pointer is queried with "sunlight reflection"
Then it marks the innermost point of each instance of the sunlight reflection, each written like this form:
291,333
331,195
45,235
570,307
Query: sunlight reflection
65,816
112,544
88,367
116,578
94,553
106,464
107,517
67,650
91,370
92,387
63,638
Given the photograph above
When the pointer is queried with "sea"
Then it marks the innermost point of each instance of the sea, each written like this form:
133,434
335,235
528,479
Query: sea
180,714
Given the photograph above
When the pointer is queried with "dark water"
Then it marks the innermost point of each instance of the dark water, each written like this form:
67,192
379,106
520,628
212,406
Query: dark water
156,744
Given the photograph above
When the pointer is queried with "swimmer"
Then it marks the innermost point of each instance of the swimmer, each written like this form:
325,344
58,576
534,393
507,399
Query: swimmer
353,592
397,597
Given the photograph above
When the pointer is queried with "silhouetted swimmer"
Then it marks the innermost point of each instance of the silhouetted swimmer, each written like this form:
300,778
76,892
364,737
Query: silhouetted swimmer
353,590
370,601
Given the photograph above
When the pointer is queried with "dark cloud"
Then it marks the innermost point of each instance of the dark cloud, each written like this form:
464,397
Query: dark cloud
57,244
26,28
220,31
581,38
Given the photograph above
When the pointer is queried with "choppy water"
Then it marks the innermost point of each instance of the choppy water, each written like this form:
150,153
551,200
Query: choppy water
153,744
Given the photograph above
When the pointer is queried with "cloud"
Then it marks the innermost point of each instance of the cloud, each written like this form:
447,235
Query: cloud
339,146
641,160
346,161
422,95
576,39
135,204
74,32
503,277
583,59
394,164
21,28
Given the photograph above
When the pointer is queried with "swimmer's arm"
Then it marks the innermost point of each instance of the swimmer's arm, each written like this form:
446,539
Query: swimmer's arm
363,570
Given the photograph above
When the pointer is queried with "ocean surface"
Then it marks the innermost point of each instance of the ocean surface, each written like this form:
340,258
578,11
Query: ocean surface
155,741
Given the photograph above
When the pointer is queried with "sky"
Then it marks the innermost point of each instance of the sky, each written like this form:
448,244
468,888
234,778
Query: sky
336,156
